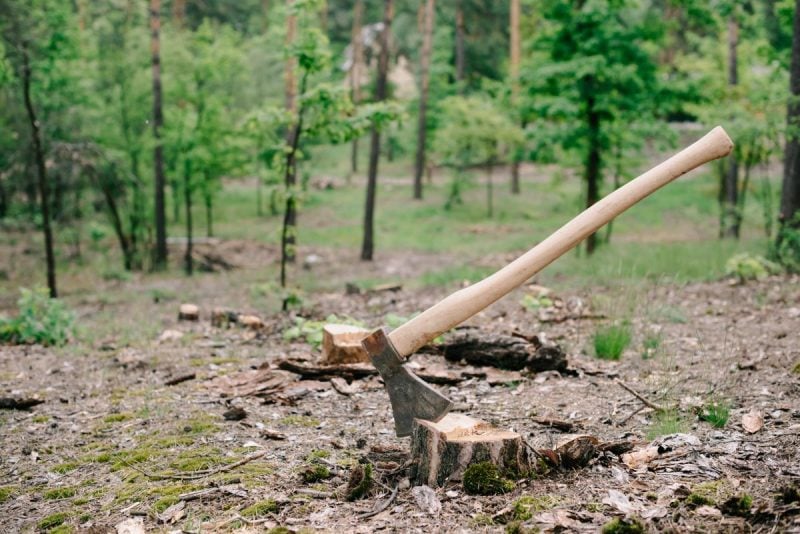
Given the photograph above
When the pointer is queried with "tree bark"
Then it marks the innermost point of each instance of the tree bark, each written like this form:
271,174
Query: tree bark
179,12
514,61
288,237
368,243
790,194
424,79
731,217
460,55
355,72
43,185
187,199
593,163
160,253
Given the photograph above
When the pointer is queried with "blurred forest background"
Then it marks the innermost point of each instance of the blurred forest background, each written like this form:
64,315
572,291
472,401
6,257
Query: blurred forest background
134,131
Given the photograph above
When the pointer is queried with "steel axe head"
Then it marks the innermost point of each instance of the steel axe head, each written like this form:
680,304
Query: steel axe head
411,397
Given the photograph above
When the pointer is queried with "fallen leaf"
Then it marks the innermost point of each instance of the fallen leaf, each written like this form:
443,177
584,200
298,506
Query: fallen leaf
426,499
134,525
637,459
620,501
752,422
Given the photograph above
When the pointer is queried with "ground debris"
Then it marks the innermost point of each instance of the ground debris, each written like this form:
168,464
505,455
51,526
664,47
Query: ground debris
235,413
263,382
19,403
426,499
348,371
174,381
513,353
752,421
173,514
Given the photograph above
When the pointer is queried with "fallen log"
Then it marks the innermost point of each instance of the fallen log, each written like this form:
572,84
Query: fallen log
512,353
11,403
444,450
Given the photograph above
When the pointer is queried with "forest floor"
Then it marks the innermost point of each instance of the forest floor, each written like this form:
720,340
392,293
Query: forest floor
112,443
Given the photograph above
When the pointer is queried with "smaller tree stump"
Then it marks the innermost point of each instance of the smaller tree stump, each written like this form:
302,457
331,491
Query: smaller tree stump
253,322
341,343
188,312
445,449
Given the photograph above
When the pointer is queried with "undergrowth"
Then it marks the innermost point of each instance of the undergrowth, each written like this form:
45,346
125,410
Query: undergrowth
40,320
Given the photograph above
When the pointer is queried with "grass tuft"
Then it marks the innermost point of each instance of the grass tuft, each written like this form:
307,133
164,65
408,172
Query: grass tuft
624,526
260,509
59,493
717,413
612,340
665,423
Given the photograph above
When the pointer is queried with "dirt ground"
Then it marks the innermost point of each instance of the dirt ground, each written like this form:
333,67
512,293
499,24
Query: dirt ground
113,443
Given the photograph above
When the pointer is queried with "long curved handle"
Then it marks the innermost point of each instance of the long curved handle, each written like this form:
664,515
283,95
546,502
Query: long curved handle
465,303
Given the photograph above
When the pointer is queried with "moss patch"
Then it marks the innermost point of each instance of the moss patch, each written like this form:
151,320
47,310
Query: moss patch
260,509
484,478
527,505
360,482
315,473
738,505
117,417
59,493
53,520
300,420
624,526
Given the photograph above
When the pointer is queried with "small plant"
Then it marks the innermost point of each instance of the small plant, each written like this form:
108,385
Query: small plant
5,493
738,505
666,422
612,340
651,344
59,493
533,303
41,320
624,526
716,412
53,520
484,478
746,267
527,505
315,473
360,482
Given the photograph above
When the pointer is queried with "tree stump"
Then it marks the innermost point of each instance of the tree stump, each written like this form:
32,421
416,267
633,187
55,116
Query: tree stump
341,343
445,449
188,312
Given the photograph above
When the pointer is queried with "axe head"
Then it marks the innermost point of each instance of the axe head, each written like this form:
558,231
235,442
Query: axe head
411,397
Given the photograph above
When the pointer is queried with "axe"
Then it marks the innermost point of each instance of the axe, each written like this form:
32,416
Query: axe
413,398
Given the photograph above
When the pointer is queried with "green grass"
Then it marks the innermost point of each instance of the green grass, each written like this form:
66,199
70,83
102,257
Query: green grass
665,423
716,412
611,341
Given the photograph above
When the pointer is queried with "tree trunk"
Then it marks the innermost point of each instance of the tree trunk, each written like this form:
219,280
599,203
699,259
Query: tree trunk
490,191
187,199
790,194
160,253
355,72
424,72
38,153
265,10
731,217
288,237
514,61
209,201
592,164
368,243
460,56
116,221
179,12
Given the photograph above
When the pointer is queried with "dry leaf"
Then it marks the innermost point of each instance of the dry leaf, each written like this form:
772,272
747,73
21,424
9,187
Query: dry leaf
636,459
134,525
752,422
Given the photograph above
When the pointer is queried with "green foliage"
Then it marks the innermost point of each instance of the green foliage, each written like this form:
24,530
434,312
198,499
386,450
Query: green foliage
484,478
746,267
666,422
631,525
260,509
786,248
651,344
533,303
716,412
40,320
611,341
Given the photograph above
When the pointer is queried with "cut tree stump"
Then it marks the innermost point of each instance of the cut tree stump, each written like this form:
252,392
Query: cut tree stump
188,312
341,343
512,353
445,449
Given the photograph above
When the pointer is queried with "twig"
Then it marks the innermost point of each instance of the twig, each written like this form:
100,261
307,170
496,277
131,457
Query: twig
639,396
198,474
180,378
315,493
383,505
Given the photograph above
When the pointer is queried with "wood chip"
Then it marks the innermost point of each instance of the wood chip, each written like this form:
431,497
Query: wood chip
637,459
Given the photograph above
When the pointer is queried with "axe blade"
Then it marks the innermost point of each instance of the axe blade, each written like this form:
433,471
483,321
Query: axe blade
410,396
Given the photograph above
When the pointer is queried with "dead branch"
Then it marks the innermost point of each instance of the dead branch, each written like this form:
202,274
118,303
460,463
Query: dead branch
639,396
383,506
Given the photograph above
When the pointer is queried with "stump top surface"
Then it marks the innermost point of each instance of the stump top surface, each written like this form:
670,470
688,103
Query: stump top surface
458,427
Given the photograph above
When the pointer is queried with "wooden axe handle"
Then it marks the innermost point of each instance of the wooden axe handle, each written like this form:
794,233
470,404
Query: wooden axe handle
465,303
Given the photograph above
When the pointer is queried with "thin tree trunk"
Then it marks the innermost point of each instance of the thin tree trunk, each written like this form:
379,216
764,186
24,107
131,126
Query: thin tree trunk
790,193
288,237
38,152
592,165
209,202
116,221
490,191
160,255
179,12
460,55
731,219
357,50
187,198
514,61
368,243
424,71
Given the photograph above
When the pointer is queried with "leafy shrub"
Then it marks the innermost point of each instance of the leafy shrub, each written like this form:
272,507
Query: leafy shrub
746,266
612,340
786,248
41,320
